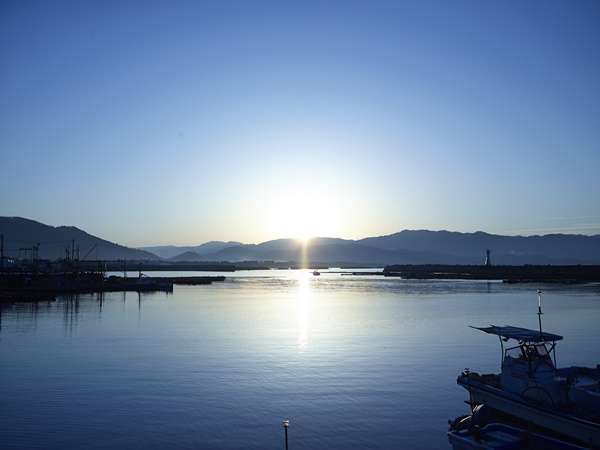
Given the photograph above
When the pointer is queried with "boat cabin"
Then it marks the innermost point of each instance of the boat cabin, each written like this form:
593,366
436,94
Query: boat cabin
529,367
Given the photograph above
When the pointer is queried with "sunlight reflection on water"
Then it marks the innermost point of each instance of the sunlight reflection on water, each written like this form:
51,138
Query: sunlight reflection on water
303,304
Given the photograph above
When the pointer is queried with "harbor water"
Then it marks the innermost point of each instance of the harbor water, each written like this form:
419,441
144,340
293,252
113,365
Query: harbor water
354,362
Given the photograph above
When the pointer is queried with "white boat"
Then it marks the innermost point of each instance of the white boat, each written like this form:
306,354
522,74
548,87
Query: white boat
531,388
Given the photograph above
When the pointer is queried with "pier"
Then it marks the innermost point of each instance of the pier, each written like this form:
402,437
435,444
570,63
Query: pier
31,286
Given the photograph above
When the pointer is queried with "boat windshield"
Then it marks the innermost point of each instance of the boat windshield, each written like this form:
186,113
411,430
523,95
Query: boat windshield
541,350
515,352
529,352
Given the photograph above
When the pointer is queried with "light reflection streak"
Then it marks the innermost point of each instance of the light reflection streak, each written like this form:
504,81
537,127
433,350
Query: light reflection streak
303,307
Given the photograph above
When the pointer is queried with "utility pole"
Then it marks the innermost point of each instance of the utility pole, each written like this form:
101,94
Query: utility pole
77,263
539,292
36,253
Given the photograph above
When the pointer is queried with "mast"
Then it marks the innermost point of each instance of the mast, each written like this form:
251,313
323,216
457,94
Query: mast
539,313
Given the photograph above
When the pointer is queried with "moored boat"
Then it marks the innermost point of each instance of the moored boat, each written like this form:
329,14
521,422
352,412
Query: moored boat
532,389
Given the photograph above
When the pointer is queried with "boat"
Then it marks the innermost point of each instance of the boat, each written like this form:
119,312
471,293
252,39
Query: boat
530,387
499,436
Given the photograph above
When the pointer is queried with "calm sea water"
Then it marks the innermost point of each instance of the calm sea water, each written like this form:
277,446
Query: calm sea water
353,362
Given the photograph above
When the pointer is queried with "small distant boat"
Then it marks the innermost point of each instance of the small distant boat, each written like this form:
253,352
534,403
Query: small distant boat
316,273
496,436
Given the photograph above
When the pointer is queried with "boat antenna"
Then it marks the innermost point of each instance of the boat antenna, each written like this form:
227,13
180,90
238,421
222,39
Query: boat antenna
539,313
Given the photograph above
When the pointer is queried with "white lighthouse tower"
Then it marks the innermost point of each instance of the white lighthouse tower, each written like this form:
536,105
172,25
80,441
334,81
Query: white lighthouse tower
488,261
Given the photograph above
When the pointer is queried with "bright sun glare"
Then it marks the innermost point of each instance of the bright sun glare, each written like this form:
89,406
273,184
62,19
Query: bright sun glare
303,214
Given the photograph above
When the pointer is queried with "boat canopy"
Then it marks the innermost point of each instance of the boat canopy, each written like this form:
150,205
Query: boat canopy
520,334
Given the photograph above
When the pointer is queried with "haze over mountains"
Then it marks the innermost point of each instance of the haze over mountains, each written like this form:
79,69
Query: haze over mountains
178,252
405,247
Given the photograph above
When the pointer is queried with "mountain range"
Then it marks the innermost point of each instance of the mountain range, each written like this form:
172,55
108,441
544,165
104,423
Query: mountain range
417,247
404,247
21,234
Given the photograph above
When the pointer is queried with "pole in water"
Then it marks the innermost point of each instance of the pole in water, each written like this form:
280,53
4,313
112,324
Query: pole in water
539,292
286,424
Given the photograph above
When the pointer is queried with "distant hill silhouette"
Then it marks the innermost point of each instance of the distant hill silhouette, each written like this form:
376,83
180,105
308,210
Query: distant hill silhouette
421,247
470,247
405,247
174,252
186,257
22,233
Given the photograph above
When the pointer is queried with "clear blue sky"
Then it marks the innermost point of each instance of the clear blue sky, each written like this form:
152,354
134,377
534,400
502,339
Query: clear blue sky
181,122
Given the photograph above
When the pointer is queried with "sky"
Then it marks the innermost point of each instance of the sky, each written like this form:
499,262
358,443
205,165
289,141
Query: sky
175,122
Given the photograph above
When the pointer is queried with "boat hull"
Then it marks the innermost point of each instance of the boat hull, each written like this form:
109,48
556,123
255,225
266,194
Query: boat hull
497,436
568,425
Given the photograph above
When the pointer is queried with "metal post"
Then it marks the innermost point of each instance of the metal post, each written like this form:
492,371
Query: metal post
539,292
286,424
36,256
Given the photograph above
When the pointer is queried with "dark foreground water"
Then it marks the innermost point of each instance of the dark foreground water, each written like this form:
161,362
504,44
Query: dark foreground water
354,363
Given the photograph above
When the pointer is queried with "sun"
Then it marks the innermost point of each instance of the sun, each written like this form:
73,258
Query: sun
302,214
304,239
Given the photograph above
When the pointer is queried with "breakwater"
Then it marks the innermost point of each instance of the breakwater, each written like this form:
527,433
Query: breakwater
508,274
192,281
117,266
